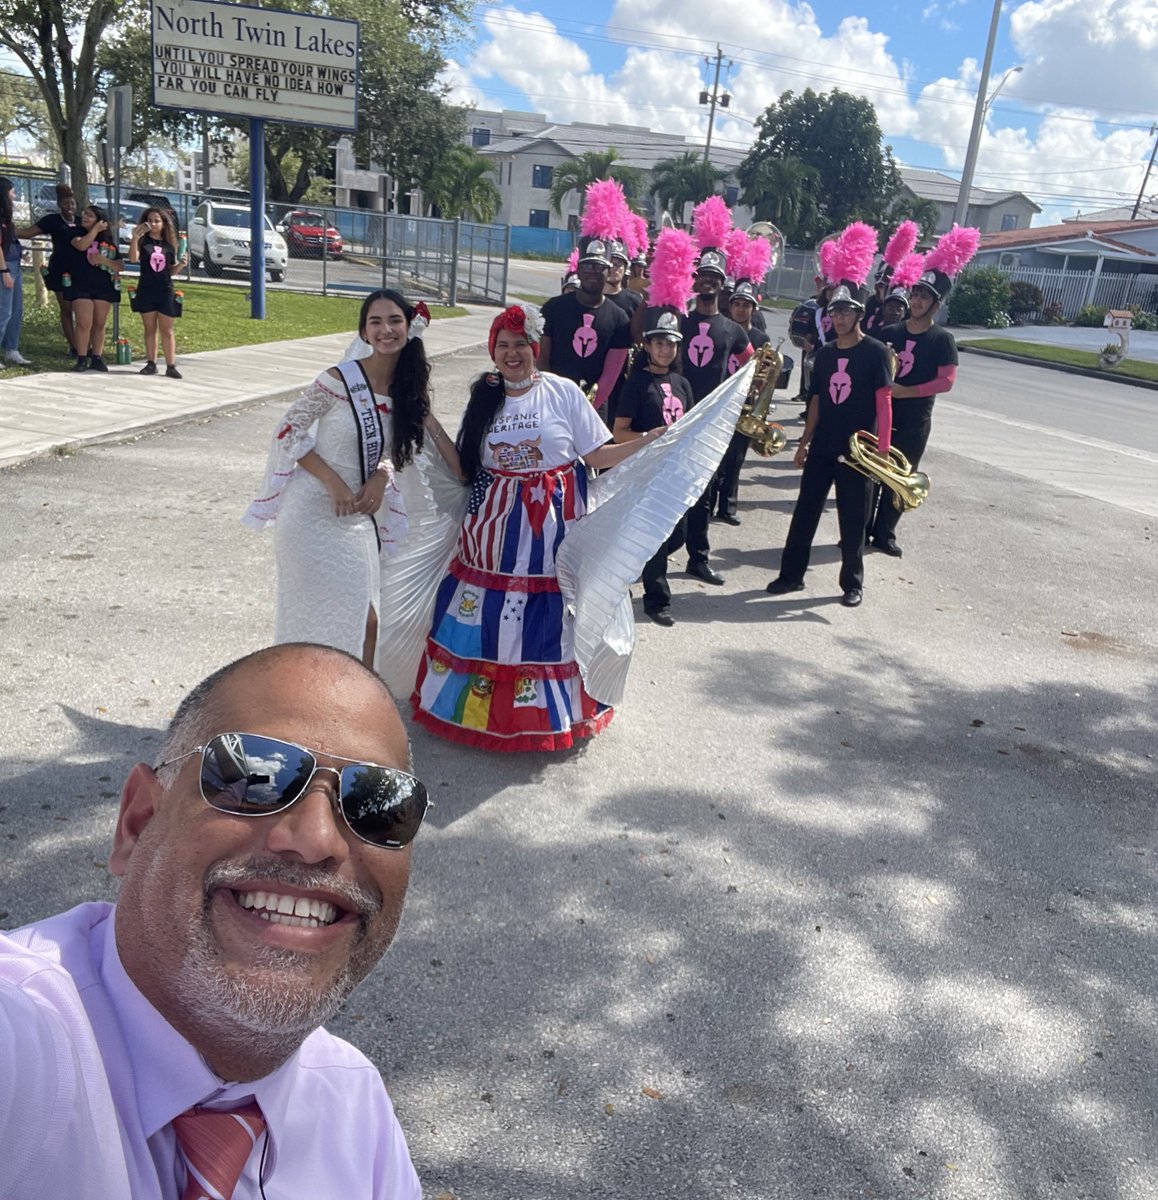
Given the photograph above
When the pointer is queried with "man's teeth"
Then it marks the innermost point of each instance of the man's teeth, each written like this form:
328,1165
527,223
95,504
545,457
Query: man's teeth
289,910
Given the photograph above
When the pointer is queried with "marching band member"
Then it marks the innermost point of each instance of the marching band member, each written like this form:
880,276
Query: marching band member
926,367
850,392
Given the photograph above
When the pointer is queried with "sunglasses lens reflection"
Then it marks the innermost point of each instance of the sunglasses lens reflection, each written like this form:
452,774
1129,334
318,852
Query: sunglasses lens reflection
247,774
383,806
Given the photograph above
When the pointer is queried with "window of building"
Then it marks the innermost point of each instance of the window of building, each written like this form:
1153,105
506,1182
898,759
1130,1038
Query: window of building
540,218
480,137
1009,221
541,176
731,196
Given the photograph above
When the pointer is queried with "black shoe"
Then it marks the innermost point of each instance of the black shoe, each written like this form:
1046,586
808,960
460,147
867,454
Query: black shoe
96,363
81,364
852,598
150,368
662,616
703,571
781,586
890,548
730,519
171,372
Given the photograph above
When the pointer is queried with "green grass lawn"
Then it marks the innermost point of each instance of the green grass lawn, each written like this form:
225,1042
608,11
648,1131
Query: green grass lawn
215,318
1059,354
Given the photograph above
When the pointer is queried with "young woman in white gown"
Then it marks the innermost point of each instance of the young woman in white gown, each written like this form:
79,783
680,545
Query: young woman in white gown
330,487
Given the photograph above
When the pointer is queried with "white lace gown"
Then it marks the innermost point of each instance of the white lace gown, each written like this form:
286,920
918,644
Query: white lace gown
328,567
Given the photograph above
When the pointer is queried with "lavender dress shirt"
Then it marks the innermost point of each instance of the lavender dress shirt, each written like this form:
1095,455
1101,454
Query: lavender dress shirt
91,1075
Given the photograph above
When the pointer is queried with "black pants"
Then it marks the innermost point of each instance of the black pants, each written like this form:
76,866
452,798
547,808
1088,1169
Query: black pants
656,589
728,495
852,501
912,424
698,518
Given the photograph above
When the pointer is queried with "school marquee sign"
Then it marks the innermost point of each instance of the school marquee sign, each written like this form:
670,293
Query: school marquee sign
260,63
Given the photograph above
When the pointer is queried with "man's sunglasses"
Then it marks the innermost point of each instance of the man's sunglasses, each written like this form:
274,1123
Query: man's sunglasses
248,775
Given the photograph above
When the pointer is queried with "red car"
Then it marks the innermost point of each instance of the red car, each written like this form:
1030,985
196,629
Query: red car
304,233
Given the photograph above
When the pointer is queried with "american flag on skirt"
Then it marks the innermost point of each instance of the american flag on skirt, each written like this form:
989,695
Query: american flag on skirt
478,489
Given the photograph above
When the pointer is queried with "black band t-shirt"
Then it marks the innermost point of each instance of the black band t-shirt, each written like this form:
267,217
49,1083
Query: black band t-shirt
920,355
582,336
653,401
627,300
710,350
845,383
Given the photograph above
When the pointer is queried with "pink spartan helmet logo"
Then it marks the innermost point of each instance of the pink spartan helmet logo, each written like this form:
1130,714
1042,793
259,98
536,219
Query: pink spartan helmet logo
586,340
157,259
673,407
840,382
905,359
700,348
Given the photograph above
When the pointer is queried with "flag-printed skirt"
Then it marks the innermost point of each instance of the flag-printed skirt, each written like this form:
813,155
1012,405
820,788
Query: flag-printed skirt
499,669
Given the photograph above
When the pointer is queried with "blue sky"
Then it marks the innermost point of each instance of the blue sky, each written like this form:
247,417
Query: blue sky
1071,128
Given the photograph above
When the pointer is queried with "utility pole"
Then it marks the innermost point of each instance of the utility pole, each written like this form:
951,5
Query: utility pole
1146,177
713,97
962,210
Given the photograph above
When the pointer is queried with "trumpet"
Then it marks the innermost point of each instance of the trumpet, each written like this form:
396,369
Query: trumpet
910,488
767,437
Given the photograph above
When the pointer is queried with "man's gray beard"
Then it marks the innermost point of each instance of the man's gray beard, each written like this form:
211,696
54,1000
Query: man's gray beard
278,1010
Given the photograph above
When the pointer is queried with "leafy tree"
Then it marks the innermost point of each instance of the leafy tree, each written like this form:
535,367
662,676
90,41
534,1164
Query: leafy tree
685,179
22,111
592,165
908,207
784,191
460,186
56,41
837,135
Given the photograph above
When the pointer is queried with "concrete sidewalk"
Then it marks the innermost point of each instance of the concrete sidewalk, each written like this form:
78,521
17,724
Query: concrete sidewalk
53,412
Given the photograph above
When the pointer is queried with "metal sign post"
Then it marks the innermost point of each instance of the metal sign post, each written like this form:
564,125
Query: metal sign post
257,220
119,128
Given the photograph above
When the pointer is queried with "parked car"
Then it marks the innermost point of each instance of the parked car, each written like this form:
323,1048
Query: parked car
219,241
306,232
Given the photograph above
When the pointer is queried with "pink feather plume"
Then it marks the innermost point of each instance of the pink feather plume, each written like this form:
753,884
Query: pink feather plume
908,270
856,250
904,241
636,235
672,268
711,223
755,261
573,261
954,250
734,246
826,257
605,210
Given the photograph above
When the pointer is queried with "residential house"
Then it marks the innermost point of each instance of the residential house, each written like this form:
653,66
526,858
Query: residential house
989,210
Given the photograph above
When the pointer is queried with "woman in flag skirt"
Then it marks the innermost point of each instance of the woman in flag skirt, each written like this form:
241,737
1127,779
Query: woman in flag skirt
499,669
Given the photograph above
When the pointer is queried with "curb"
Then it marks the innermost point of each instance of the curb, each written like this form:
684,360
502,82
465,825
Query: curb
130,432
1065,368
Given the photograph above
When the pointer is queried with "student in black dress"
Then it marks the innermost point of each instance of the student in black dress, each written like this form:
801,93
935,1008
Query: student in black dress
851,384
95,287
61,228
653,397
154,246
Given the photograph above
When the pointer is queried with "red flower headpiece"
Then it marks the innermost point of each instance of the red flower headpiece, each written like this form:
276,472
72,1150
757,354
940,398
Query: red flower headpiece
519,318
419,320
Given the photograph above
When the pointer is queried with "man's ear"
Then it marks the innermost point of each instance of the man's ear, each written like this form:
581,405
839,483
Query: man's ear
139,799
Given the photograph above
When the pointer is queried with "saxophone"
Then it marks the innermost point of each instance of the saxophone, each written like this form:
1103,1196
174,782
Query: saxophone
767,437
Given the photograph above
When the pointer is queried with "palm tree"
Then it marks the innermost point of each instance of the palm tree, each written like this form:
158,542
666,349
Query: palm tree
685,179
592,165
909,207
460,186
783,191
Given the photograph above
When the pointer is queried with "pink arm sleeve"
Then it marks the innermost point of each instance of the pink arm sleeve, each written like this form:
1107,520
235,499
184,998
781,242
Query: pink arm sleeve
946,377
743,357
612,366
884,399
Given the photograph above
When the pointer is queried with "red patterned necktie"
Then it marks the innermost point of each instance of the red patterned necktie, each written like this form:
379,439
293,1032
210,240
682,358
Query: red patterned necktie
216,1144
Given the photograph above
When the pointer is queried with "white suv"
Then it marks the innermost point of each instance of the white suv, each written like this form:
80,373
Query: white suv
219,240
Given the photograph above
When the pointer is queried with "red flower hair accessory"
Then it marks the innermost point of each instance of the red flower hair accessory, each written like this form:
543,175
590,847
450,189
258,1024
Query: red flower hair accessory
419,320
519,318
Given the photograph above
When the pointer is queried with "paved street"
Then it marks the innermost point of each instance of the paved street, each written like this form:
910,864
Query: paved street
843,904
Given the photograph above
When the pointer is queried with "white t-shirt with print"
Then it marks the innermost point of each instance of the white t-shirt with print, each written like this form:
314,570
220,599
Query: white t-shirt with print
552,424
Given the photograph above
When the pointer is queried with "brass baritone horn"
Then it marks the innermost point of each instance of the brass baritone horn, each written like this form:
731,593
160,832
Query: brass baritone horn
910,488
767,437
773,237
